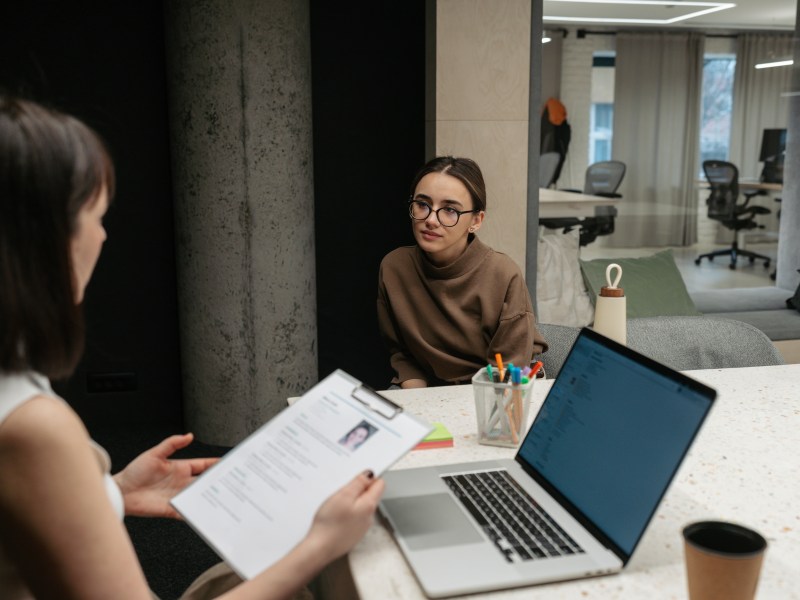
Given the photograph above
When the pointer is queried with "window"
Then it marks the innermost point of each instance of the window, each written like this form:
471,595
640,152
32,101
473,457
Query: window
601,119
602,131
716,106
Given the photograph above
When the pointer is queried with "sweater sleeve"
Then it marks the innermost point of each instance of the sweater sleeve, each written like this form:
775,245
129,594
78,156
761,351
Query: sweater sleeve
401,361
517,339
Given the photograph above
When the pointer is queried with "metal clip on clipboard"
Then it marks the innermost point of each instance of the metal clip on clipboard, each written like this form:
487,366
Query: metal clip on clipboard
376,403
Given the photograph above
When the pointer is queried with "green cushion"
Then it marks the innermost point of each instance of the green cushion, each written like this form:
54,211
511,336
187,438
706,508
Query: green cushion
653,285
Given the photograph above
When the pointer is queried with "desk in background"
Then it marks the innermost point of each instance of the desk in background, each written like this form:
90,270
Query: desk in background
748,185
743,467
559,203
753,185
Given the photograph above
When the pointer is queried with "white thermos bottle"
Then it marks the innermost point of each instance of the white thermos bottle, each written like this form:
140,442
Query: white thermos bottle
609,312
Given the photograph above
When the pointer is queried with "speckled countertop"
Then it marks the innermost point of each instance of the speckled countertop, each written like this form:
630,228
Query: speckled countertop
743,467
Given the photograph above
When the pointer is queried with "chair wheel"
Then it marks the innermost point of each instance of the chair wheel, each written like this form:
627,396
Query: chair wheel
752,259
697,261
710,259
766,265
732,266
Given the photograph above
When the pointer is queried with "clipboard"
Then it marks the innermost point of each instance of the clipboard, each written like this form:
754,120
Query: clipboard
375,402
298,459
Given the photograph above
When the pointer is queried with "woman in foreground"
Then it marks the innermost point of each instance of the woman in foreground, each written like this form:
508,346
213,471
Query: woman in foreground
61,529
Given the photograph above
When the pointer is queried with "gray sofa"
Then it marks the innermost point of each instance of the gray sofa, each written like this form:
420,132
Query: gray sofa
683,343
763,307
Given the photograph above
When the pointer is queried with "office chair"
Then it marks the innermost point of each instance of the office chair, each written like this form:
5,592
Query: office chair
548,164
774,273
602,179
723,177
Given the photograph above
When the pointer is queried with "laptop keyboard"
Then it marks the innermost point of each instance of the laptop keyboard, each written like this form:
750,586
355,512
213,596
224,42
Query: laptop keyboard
517,525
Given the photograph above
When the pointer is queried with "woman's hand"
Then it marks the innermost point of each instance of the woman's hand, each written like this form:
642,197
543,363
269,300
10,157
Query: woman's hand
150,481
413,383
344,518
339,524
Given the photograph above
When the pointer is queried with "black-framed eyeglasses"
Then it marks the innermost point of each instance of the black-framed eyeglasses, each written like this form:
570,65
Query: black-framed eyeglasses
447,215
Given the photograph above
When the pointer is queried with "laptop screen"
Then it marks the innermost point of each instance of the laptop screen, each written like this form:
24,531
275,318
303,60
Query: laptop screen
612,432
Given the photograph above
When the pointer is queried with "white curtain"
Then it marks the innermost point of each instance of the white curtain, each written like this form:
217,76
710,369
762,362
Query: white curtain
656,132
759,100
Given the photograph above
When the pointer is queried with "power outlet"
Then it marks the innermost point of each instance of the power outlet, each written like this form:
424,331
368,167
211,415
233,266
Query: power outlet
109,383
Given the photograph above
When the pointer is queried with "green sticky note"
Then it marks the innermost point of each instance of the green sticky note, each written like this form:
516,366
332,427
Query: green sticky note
440,433
440,437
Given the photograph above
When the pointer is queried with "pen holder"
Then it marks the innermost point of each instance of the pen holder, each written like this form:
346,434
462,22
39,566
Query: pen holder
501,409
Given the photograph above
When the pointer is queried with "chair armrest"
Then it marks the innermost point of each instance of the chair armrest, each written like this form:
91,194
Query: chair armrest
750,194
560,222
750,212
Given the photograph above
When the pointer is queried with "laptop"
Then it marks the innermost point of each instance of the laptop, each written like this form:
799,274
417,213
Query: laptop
577,497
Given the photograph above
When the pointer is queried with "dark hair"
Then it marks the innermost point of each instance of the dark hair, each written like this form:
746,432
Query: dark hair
51,165
465,170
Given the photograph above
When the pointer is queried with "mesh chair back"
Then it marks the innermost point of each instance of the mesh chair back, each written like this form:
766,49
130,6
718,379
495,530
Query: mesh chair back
723,177
548,163
604,177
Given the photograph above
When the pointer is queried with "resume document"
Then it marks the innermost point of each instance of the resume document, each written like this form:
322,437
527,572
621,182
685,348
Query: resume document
259,501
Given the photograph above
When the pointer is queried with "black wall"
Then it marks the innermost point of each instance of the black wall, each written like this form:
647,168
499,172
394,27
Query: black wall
104,62
368,82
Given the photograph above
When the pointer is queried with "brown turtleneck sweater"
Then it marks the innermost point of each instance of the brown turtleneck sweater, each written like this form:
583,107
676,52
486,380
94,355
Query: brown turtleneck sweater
442,324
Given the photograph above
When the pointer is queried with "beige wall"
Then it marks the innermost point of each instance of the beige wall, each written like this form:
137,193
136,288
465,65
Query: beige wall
576,86
482,67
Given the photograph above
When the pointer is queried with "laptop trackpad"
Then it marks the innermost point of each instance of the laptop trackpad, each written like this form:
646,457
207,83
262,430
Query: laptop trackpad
431,521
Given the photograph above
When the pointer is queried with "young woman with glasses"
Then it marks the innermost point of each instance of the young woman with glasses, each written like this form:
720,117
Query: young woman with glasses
61,512
448,304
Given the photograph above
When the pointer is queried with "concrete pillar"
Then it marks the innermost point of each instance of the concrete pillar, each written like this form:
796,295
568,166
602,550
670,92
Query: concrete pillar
789,228
239,88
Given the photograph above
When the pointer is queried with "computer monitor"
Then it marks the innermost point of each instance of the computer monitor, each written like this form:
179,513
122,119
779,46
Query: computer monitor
773,146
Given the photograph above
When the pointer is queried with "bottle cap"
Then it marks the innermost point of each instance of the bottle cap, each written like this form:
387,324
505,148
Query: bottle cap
611,290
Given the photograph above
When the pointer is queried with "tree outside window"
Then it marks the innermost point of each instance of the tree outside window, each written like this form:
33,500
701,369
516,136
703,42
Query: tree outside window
716,107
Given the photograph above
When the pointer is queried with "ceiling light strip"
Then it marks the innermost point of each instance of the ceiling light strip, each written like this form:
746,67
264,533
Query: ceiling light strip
712,7
777,63
646,2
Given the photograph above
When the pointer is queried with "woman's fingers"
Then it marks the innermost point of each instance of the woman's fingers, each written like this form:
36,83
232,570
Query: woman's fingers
172,444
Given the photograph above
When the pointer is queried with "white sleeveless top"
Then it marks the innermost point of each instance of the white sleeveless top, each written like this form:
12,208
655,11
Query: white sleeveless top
15,390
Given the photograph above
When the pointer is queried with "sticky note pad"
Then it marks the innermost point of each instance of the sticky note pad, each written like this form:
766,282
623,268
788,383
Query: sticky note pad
440,437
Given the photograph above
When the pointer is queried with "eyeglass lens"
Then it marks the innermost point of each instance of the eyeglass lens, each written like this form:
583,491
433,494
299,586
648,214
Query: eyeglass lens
421,210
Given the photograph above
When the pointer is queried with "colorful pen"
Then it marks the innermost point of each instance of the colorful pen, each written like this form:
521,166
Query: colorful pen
508,372
499,358
539,364
516,379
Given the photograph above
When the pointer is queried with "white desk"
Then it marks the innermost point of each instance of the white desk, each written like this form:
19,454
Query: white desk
744,467
761,186
558,203
747,185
